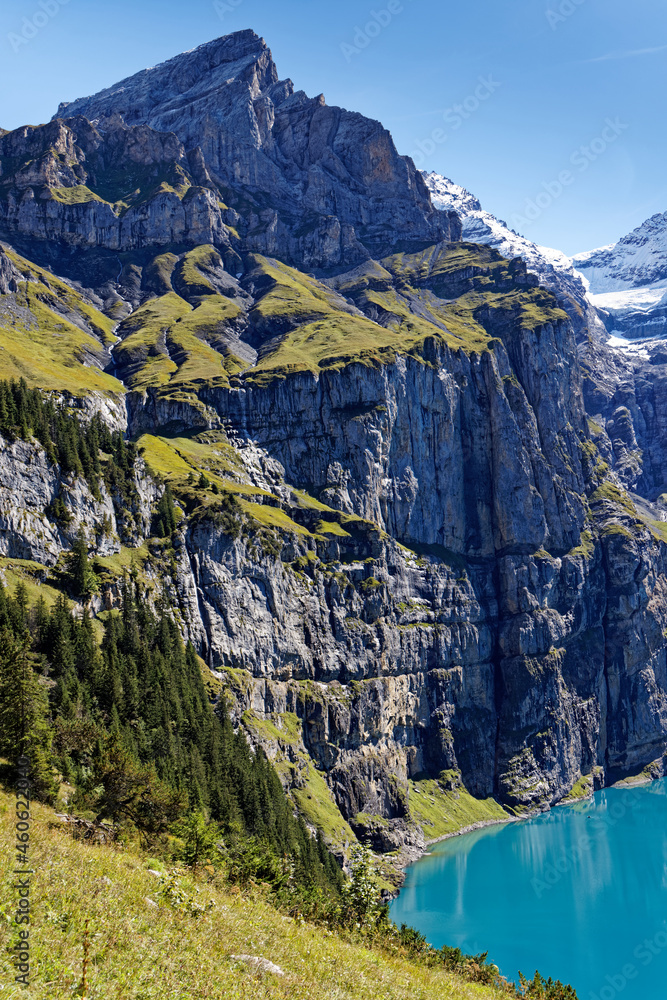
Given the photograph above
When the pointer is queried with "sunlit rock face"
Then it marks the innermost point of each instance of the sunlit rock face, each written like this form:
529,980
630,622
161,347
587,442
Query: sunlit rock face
319,185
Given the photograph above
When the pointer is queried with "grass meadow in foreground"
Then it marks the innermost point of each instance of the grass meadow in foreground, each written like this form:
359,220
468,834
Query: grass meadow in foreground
140,945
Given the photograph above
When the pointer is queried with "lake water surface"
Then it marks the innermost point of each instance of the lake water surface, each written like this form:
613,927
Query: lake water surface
579,893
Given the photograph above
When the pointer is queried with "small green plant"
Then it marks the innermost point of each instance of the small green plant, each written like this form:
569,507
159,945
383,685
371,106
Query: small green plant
86,956
176,895
544,989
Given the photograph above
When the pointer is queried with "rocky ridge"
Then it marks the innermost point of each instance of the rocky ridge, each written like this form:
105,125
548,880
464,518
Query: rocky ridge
61,182
627,281
613,297
554,269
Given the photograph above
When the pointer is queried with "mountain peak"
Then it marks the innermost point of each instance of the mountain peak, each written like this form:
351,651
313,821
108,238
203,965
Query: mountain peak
318,185
637,260
190,75
445,194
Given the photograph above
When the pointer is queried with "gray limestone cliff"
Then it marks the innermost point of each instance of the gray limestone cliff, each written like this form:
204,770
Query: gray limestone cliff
64,183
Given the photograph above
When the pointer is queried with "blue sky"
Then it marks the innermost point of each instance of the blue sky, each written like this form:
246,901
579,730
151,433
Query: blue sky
560,120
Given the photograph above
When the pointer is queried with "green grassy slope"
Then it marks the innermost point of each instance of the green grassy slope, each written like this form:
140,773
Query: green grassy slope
443,811
455,294
175,343
52,337
140,947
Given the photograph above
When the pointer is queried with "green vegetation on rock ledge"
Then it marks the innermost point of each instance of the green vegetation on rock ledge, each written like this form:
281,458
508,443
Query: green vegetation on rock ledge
443,806
452,294
582,790
166,344
53,338
176,342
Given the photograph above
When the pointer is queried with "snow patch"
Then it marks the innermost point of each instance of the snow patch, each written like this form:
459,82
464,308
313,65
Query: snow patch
633,347
632,299
482,227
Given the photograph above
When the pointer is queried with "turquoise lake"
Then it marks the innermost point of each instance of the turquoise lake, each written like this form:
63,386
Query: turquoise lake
579,893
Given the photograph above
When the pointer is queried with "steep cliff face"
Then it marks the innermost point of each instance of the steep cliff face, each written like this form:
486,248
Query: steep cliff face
407,549
619,290
44,507
423,616
468,647
30,485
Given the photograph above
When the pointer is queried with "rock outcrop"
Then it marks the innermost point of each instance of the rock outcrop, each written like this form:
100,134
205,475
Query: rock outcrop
63,182
29,487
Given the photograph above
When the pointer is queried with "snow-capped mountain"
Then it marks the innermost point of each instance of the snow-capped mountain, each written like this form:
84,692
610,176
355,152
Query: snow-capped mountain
447,194
553,268
628,279
638,259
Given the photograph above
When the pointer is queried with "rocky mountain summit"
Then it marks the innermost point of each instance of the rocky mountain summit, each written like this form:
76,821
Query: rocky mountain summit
322,186
637,260
420,540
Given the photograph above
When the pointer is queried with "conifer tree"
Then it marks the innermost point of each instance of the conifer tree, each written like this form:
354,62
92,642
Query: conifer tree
25,729
83,580
165,519
199,840
135,731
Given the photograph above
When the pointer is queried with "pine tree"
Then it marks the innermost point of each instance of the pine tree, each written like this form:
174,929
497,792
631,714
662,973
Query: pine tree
83,580
199,840
165,518
132,791
25,729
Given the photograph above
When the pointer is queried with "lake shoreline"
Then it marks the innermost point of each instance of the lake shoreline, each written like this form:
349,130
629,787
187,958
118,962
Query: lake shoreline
480,825
414,853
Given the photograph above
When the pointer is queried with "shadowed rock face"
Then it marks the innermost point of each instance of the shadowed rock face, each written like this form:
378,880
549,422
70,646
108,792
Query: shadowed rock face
316,185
